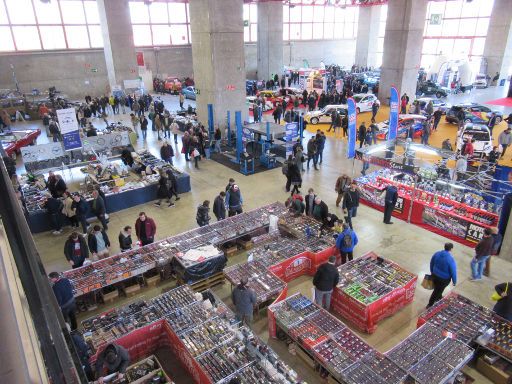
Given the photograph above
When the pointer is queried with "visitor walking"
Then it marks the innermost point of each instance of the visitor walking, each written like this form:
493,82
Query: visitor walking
483,251
351,202
312,151
390,199
346,242
63,291
125,239
98,208
294,177
361,134
219,208
342,184
442,270
503,306
203,214
75,250
166,152
244,300
99,243
144,126
234,200
505,139
325,280
145,229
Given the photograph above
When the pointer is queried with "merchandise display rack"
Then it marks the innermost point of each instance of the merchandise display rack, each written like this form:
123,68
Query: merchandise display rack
213,348
457,212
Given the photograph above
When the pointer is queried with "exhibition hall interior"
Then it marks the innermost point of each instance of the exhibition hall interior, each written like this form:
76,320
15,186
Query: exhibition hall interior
256,191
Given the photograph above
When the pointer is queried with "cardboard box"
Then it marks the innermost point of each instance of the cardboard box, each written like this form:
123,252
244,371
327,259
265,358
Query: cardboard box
152,281
499,373
132,290
231,250
110,297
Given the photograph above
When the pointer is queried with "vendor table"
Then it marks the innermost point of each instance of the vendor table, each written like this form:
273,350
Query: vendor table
371,289
39,221
447,217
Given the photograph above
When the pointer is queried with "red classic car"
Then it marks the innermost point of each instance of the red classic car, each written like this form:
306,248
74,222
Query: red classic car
13,141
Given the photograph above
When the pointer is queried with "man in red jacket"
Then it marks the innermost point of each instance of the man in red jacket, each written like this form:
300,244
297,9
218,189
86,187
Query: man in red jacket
145,228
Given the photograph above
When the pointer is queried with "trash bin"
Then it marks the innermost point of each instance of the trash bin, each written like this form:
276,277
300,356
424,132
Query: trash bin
502,82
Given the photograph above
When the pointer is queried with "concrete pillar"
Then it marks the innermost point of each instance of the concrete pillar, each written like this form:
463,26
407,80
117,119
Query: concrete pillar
118,46
498,44
270,39
367,36
402,47
218,58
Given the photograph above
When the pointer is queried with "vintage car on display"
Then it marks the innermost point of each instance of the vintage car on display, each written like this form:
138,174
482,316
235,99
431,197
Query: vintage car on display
404,123
481,134
189,93
324,115
364,101
428,88
442,105
13,141
473,113
172,85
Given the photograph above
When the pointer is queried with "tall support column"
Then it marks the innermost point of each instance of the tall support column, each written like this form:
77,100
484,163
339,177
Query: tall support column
498,44
367,36
402,47
218,57
116,28
270,39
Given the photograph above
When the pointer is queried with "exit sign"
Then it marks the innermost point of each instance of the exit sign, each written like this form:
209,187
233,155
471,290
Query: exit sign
94,70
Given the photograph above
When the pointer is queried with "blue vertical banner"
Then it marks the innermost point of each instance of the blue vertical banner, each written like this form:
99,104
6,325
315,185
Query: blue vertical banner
291,134
394,106
239,135
229,128
352,133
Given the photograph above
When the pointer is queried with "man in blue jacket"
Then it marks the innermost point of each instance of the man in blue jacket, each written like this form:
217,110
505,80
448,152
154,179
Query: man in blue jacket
443,270
346,242
63,291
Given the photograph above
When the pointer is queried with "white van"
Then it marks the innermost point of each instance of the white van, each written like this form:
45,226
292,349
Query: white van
482,136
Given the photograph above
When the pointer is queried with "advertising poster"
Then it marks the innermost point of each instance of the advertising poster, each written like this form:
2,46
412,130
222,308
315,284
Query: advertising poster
352,118
69,128
393,113
291,134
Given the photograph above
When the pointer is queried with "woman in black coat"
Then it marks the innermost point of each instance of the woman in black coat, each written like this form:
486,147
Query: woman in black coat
295,177
163,189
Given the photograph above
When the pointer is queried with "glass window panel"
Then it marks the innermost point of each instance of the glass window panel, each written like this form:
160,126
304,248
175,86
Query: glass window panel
351,14
339,15
254,13
436,7
355,29
91,12
72,12
286,32
179,34
254,32
246,12
338,31
482,25
349,30
384,12
6,43
450,27
286,14
380,44
467,27
161,34
318,13
247,34
429,46
462,47
307,14
77,37
307,31
158,13
295,14
453,8
470,9
189,33
427,61
3,15
294,31
445,46
142,35
378,59
328,30
26,38
96,36
382,29
47,13
52,37
485,7
434,30
177,13
139,12
478,46
318,30
21,12
329,14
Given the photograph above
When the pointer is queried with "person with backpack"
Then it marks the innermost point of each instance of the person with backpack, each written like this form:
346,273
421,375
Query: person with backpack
346,242
203,215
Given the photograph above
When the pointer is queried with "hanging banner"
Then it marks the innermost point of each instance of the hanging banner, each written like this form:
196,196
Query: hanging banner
69,128
140,58
352,118
291,134
393,113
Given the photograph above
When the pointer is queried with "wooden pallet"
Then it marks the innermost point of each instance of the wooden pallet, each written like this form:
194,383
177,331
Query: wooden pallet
209,282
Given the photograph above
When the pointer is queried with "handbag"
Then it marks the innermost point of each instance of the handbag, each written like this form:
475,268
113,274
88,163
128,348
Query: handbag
195,153
496,296
427,282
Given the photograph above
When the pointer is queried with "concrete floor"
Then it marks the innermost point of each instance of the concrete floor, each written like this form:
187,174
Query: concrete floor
408,245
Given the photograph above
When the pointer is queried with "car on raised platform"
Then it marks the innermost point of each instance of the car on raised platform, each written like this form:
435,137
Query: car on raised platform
364,101
405,121
473,113
13,141
324,115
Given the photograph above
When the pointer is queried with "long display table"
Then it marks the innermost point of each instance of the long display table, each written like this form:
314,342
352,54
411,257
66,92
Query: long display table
441,212
371,288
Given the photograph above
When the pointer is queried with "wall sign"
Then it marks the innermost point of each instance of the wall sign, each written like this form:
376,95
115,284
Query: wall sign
436,19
